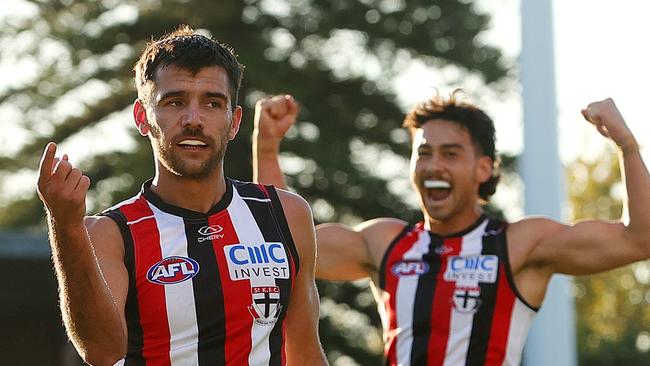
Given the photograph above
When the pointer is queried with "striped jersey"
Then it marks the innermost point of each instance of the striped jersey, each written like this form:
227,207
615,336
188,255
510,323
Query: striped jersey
207,288
451,300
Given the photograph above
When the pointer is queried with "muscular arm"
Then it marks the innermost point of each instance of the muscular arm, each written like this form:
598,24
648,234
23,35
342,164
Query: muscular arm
273,118
347,254
84,267
595,245
303,344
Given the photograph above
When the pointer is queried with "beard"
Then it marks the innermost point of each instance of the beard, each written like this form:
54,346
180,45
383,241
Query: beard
183,167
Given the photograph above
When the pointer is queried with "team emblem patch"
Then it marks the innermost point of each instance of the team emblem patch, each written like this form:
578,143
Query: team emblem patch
266,307
467,299
172,270
410,268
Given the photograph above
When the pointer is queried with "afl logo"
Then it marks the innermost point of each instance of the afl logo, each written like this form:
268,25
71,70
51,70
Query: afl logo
173,270
410,268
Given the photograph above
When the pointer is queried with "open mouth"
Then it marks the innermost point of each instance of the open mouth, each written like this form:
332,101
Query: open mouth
437,190
192,144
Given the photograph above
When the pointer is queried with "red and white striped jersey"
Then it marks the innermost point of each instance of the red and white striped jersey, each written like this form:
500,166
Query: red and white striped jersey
451,300
207,288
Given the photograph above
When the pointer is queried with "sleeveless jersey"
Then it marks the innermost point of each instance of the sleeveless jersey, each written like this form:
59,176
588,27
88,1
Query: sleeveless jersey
451,300
207,289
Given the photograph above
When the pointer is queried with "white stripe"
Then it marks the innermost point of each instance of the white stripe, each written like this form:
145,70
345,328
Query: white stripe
407,287
140,219
181,309
520,321
460,324
249,233
256,199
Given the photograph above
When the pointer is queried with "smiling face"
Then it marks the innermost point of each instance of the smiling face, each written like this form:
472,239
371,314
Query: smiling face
189,121
446,171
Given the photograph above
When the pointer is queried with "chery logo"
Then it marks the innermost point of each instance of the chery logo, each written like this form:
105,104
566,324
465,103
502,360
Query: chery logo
210,232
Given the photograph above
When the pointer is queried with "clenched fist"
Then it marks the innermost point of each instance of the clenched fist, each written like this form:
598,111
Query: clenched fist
273,118
609,122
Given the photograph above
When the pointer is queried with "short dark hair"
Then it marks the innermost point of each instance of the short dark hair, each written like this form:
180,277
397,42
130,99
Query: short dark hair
468,116
186,49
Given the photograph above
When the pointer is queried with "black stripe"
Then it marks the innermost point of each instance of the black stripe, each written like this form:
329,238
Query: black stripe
134,355
424,303
208,297
509,275
263,213
482,324
282,225
387,253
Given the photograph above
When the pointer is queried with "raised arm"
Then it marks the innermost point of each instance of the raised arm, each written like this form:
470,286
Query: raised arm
93,315
273,118
303,344
595,245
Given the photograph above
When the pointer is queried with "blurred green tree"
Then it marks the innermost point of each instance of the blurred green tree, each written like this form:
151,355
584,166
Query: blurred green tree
613,316
339,58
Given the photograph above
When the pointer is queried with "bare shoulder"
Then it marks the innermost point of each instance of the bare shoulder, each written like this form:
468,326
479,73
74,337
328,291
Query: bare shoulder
299,218
295,207
104,234
379,234
381,227
525,235
534,228
293,203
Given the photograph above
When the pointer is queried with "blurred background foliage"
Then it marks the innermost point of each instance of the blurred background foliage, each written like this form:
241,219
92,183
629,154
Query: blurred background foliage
612,309
346,156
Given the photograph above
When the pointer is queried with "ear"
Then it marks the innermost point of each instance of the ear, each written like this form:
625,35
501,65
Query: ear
140,117
484,167
235,123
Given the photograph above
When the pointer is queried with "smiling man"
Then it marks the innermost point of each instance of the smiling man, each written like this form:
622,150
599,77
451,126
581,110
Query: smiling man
460,287
198,268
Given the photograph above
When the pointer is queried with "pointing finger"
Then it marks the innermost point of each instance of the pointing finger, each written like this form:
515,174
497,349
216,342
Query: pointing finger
47,162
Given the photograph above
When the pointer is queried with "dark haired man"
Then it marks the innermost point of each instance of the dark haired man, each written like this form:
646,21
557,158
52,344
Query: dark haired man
197,269
461,288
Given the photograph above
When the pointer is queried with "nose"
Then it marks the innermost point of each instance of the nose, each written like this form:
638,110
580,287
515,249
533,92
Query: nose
192,117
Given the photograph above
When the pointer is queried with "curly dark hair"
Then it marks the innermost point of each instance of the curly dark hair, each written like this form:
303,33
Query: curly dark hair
471,118
188,50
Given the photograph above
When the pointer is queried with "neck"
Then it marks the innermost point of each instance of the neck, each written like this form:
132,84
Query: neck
190,193
454,223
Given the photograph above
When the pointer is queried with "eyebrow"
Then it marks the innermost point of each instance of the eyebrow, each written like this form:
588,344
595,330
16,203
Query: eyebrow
179,93
453,145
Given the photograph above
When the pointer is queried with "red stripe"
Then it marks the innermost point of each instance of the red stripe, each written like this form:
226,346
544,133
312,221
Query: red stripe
237,297
390,288
442,307
505,302
151,297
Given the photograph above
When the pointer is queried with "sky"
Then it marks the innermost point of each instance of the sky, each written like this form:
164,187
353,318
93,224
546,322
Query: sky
600,51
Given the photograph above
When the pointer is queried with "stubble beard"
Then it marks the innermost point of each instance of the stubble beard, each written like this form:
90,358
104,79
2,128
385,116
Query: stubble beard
175,164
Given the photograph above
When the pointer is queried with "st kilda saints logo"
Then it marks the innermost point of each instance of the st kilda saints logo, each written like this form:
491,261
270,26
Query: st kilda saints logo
266,306
467,299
